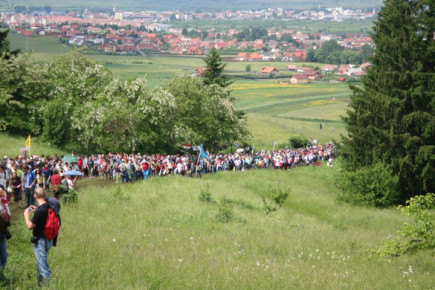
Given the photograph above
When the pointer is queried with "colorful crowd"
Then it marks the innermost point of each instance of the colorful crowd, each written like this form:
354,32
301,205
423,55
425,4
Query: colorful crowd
23,174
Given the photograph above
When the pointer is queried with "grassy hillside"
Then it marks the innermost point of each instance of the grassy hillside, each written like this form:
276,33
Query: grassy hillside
10,145
157,234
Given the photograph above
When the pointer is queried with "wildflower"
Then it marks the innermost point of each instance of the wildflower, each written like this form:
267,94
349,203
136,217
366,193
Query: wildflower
410,270
180,260
113,240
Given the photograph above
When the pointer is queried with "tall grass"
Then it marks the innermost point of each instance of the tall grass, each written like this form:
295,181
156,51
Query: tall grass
159,234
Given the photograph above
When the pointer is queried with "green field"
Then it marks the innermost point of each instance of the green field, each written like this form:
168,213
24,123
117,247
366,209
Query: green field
157,234
41,48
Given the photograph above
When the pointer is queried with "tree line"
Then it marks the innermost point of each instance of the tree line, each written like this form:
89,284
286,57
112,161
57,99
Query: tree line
331,52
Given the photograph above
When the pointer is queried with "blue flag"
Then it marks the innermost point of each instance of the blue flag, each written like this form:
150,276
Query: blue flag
203,153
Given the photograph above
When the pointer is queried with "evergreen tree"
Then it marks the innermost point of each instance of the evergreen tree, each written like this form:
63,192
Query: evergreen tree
215,67
4,44
391,118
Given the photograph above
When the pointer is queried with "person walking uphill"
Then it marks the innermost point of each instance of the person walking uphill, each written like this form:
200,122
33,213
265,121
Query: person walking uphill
37,224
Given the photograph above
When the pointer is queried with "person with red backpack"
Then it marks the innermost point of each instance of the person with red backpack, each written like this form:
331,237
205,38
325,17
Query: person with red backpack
45,225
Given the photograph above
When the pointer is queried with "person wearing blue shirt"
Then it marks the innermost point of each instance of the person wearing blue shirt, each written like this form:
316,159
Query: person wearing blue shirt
29,183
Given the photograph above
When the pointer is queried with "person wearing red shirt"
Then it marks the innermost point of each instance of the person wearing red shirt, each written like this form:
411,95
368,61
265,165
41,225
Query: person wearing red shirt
55,180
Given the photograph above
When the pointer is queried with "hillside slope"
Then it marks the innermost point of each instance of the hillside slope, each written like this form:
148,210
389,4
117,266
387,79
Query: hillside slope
157,234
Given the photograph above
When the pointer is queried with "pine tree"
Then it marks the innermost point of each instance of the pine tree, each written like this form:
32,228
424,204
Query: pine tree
4,45
215,67
391,118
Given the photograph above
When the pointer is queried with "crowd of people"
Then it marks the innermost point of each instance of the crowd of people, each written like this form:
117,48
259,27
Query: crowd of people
24,174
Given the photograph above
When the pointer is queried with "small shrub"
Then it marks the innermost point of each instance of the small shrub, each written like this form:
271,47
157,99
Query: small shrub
279,196
240,203
205,196
298,141
372,186
416,236
69,197
225,214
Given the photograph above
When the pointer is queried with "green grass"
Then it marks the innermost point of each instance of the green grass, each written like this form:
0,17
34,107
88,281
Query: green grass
42,48
275,112
157,234
10,145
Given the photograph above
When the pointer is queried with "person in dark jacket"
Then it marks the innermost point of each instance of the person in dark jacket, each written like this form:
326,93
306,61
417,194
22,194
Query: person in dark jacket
37,224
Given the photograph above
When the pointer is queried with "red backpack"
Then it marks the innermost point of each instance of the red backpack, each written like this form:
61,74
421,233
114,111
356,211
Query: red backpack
52,225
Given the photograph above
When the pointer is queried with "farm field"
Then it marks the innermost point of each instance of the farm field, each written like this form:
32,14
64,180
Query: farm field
41,48
275,111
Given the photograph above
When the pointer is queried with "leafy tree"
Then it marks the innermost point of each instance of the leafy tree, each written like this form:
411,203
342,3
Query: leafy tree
286,37
391,117
373,186
57,127
21,95
215,67
365,53
100,113
248,68
415,236
311,55
203,113
329,52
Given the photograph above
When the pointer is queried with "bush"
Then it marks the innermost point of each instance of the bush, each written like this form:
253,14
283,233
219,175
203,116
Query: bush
279,196
372,186
225,214
69,197
205,196
298,141
416,236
